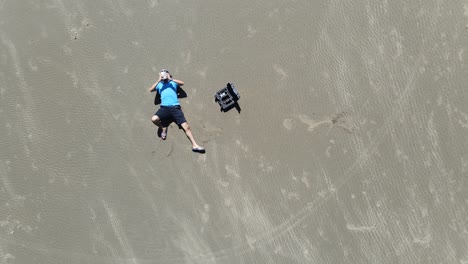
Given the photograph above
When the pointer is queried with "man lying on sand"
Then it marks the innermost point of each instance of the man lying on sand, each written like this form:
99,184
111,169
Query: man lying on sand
170,110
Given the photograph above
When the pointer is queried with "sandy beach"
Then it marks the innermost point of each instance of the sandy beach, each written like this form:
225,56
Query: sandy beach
351,145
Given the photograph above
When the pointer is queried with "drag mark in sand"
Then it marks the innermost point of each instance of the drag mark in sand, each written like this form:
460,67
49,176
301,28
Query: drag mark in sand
190,243
6,185
120,234
144,190
342,120
313,124
280,71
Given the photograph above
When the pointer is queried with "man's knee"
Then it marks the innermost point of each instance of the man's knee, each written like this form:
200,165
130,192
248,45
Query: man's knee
155,119
185,126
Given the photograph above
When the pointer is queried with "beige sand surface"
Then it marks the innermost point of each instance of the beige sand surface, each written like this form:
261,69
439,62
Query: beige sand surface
351,146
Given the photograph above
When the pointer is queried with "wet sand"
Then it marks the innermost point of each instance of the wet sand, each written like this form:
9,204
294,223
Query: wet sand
351,145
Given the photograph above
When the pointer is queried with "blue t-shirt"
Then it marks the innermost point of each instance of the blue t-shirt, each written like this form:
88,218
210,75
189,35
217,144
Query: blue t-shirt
168,92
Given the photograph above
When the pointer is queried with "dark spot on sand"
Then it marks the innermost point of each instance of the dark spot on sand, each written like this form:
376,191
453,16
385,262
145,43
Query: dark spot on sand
337,117
342,120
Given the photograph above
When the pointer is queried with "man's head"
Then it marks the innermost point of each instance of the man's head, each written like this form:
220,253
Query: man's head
164,74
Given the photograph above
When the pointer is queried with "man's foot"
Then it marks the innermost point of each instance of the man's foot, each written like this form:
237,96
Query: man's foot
162,133
198,149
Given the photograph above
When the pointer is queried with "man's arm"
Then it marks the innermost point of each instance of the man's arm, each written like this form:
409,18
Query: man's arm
179,82
153,87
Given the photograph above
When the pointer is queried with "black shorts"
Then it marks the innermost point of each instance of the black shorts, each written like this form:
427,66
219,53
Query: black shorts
169,114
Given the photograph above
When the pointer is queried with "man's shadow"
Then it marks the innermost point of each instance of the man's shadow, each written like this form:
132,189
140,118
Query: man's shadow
180,94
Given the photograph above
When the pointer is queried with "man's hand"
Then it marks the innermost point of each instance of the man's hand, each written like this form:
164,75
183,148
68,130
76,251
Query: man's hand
179,82
153,87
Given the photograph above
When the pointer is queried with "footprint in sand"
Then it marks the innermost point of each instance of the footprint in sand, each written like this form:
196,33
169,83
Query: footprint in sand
287,123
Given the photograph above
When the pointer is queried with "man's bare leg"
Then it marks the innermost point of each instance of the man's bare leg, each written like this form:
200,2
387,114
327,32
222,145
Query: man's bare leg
157,122
188,132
